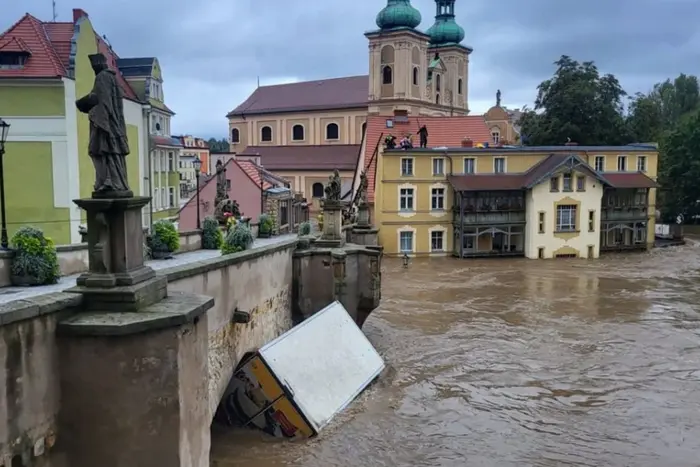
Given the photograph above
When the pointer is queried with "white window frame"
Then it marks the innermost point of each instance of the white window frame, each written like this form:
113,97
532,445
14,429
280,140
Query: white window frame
413,166
496,136
570,177
434,196
505,164
443,232
641,163
406,230
441,162
303,129
329,124
569,226
409,195
620,159
172,200
595,163
473,163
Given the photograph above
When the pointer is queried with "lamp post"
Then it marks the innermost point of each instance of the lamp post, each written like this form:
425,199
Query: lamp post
197,164
4,130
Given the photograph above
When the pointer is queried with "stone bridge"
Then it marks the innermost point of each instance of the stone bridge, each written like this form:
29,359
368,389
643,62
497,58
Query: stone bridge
140,389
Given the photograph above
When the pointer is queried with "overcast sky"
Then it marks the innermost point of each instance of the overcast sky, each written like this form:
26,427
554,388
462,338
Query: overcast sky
212,51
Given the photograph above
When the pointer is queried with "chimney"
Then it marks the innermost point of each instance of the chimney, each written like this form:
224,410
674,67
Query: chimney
78,13
467,143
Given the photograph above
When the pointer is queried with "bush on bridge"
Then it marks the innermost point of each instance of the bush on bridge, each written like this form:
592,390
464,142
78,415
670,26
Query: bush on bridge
238,238
304,229
212,237
164,240
35,261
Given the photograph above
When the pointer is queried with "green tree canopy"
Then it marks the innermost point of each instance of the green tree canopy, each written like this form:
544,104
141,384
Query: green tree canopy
579,104
218,145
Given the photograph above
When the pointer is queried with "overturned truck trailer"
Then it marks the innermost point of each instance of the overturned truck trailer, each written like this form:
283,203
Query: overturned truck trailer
293,386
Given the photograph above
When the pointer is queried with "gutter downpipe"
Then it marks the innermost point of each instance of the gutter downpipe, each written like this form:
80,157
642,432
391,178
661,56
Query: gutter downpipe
150,168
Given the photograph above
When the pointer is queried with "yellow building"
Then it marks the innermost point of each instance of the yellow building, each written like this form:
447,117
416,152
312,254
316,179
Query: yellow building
537,202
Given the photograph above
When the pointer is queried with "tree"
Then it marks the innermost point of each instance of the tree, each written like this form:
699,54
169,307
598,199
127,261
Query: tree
579,104
680,171
218,146
645,121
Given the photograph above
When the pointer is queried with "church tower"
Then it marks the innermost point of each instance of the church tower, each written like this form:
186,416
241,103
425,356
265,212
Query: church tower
448,61
398,61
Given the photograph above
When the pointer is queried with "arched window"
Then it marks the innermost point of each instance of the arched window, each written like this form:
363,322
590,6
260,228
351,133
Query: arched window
437,83
387,77
317,190
459,86
415,76
235,135
297,133
437,98
332,131
266,134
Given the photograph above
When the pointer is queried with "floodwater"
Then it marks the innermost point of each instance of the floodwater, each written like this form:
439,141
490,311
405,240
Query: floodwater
506,362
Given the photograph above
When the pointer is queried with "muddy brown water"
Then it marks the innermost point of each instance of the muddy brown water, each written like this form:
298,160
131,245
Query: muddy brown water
519,363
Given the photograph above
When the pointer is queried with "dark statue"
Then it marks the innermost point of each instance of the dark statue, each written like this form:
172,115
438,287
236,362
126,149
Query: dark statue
108,146
498,98
333,189
390,142
221,192
362,189
423,134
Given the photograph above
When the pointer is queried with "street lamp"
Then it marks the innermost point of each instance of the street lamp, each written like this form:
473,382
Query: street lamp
4,130
197,164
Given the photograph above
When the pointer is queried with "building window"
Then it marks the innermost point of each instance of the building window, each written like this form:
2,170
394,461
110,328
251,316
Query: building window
591,221
415,76
540,253
266,134
459,86
495,137
235,136
164,198
297,133
438,166
621,163
641,163
332,131
437,98
171,162
566,179
437,82
317,190
406,166
171,197
406,199
580,183
599,163
499,165
13,59
469,165
406,242
566,218
437,240
387,77
554,184
540,223
437,199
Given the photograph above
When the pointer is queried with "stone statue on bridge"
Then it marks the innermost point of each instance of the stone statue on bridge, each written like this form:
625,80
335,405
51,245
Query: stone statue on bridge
108,145
333,189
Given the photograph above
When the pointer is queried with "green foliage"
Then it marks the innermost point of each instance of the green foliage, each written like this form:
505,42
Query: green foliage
239,238
265,224
165,237
35,256
304,228
218,145
212,237
579,104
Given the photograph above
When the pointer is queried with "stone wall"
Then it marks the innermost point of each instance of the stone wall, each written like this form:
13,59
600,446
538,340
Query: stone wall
73,259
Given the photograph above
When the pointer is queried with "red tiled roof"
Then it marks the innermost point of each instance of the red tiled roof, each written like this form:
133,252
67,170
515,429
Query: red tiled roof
14,44
321,157
253,172
485,182
112,58
442,131
44,61
334,93
629,180
61,36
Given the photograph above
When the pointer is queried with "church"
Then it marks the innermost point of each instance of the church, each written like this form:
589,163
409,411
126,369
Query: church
304,130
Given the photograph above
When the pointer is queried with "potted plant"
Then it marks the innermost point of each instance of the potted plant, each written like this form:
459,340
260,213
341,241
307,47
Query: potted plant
164,240
35,261
265,226
212,238
239,238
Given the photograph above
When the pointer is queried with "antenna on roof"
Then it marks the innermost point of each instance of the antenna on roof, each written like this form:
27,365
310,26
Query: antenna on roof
258,81
53,5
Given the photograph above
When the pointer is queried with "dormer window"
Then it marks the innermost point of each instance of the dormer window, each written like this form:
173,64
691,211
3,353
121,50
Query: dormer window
14,53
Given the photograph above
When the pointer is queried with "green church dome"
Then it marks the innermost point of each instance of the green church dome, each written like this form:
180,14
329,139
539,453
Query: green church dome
398,14
445,30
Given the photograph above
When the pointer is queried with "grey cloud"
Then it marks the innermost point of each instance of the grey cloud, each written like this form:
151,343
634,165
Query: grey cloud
221,47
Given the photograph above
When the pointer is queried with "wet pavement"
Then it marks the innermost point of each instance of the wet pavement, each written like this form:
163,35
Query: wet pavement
517,362
8,294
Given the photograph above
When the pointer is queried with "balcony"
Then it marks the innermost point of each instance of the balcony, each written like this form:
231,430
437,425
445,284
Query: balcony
625,205
490,208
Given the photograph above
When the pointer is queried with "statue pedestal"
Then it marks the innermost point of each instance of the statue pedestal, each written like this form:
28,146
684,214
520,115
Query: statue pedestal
363,216
332,235
117,279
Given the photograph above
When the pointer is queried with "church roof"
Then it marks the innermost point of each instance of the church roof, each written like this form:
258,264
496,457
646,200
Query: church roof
325,157
325,94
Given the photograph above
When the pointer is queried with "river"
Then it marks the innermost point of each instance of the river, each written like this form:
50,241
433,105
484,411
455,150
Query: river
505,362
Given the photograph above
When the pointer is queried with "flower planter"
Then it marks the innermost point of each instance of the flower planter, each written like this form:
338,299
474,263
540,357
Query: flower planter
161,254
24,281
263,234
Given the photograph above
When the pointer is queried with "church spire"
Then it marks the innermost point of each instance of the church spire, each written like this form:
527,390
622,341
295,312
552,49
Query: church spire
445,31
398,14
